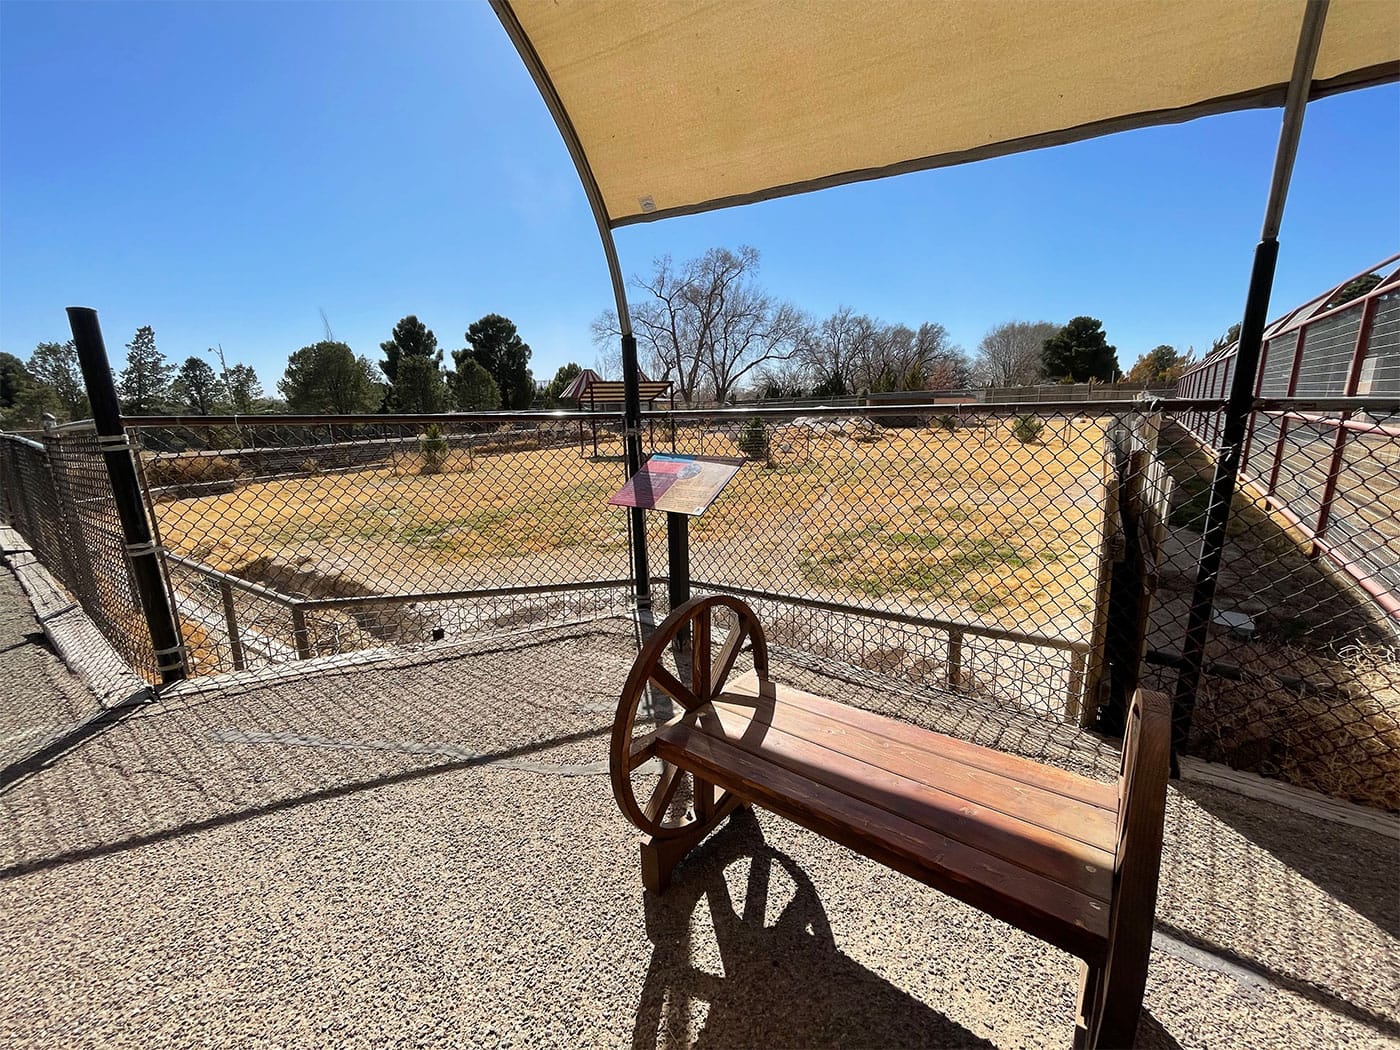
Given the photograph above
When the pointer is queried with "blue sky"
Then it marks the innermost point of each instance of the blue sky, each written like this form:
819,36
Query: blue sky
225,171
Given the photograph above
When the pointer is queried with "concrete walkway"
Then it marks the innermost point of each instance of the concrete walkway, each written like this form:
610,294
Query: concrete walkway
39,697
424,851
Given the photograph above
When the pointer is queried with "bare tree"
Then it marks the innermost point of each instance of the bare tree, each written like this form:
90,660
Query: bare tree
705,325
829,349
870,355
1009,354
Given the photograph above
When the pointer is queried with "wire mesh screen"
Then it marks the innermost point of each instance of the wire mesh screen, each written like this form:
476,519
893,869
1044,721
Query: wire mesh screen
292,540
60,499
1302,676
965,549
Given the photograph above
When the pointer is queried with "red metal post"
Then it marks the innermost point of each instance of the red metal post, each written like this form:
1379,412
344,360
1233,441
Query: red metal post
1283,419
1334,469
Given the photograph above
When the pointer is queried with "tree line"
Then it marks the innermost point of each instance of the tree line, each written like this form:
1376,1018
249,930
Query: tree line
705,324
327,377
708,326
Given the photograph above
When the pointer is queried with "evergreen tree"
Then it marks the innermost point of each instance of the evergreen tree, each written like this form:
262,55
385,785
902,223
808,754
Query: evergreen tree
413,365
562,378
14,380
144,384
56,366
494,343
327,377
473,389
1080,352
242,389
419,386
1160,366
196,387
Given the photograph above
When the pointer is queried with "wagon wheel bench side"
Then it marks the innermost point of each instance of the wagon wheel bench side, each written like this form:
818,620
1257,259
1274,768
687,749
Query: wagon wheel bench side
1069,860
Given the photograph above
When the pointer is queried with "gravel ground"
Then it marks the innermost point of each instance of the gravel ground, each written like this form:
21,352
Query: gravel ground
425,851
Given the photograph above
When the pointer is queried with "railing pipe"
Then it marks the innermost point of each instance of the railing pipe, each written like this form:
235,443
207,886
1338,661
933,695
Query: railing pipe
1241,400
141,550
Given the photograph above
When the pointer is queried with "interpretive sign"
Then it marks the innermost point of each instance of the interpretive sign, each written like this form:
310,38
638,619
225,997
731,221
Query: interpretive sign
677,484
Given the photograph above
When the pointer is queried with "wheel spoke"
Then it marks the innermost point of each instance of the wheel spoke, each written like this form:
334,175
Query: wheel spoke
673,687
724,662
700,655
656,806
644,747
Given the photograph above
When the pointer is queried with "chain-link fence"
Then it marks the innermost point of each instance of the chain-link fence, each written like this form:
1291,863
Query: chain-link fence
291,540
58,496
993,554
1306,683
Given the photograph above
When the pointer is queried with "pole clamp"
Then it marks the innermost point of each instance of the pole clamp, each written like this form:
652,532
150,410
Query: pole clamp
114,442
179,661
140,550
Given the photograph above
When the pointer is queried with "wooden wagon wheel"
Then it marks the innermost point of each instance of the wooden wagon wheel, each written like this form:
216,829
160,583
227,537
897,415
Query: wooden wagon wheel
709,667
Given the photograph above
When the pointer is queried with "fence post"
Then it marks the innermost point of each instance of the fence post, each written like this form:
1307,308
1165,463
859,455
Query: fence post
955,660
300,637
235,643
1241,402
678,562
632,447
126,493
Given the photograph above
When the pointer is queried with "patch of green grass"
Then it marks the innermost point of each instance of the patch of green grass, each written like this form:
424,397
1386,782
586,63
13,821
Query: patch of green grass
875,561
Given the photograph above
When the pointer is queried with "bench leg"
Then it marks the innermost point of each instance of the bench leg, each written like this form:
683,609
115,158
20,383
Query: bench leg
1090,988
660,856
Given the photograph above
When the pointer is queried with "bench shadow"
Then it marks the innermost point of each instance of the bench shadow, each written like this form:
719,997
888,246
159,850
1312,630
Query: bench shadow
781,980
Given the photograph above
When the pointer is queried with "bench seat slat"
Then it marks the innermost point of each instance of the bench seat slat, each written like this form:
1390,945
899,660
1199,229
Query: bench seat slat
925,757
1091,792
898,786
1066,918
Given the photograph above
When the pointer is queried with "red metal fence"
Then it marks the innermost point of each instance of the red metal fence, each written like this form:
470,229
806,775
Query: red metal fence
1331,467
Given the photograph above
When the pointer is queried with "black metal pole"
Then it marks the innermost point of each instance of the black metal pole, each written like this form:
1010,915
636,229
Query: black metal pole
678,561
1241,400
632,445
126,493
678,556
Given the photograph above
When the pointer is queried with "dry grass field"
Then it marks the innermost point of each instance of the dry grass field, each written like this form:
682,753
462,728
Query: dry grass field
973,521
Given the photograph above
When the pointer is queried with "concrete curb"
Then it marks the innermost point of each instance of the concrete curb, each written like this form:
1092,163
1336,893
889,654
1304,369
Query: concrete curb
71,632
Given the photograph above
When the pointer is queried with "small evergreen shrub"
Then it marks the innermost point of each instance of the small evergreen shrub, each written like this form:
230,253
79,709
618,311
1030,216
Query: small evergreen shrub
432,446
753,440
1027,429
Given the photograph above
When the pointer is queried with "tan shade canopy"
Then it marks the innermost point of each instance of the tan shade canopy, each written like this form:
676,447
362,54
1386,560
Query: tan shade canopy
679,106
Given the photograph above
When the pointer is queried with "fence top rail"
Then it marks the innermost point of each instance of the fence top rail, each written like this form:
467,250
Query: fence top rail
371,419
233,581
979,630
20,439
75,426
1019,408
463,594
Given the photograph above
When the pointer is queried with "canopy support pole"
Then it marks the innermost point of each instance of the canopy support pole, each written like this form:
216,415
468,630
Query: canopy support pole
631,391
1241,399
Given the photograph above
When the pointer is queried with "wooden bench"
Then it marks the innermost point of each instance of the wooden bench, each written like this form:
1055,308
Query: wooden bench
1070,860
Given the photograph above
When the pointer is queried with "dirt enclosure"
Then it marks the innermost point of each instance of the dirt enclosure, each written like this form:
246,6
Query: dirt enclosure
978,525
